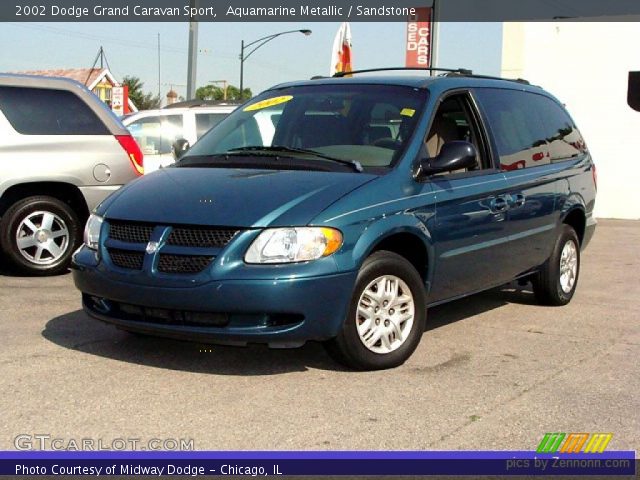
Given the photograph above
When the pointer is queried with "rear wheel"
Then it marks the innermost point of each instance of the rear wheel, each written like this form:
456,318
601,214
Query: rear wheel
386,317
557,280
38,235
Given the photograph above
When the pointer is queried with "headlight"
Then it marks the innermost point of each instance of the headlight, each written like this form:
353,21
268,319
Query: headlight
289,245
92,231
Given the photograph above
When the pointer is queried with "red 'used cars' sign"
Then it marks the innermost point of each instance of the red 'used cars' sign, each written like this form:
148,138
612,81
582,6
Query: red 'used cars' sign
419,38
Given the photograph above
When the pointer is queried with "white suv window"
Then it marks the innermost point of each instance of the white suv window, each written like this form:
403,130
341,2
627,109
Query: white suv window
156,135
206,121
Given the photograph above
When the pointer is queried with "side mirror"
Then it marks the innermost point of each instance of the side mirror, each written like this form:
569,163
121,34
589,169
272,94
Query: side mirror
179,148
454,155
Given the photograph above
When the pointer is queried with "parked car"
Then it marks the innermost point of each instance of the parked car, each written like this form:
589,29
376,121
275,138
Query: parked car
63,151
371,199
157,130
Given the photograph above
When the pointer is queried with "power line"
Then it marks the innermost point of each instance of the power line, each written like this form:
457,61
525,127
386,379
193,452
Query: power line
73,33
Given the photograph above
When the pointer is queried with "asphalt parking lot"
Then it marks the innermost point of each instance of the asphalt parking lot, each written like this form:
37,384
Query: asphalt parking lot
494,371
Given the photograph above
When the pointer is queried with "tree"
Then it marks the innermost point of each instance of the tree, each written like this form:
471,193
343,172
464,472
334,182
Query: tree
209,92
143,101
233,93
212,92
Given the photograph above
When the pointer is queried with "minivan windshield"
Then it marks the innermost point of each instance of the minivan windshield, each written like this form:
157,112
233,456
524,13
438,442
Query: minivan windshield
353,127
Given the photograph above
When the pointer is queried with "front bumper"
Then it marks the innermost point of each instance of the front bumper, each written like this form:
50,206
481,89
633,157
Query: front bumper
282,312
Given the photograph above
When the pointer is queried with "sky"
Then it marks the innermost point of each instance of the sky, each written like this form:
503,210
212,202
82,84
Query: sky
131,49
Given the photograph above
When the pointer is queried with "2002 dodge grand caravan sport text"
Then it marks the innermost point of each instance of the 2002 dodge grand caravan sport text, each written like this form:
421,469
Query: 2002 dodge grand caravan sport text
338,209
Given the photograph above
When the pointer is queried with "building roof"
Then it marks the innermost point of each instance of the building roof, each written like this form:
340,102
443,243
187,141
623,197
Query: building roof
87,76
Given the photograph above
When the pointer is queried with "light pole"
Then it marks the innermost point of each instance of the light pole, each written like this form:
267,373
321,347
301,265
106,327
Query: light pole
260,42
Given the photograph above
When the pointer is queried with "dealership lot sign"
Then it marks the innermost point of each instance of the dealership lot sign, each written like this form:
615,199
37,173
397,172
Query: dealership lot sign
419,28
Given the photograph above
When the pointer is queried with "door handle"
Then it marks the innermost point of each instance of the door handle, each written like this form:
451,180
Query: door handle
518,200
499,204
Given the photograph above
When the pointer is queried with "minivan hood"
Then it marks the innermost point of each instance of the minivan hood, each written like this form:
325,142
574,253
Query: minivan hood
230,197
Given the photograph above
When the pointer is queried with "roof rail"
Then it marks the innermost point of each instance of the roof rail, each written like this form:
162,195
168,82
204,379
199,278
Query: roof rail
489,77
447,72
460,71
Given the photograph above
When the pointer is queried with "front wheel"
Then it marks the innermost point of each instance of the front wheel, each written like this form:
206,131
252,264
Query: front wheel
38,235
386,317
557,280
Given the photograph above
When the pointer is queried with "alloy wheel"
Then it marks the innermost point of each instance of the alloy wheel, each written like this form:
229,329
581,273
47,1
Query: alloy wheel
568,266
42,238
385,314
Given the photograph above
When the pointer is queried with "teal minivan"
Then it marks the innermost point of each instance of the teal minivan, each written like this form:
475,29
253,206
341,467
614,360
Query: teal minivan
339,209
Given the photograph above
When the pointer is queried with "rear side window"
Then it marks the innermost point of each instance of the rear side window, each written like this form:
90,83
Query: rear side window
40,111
529,129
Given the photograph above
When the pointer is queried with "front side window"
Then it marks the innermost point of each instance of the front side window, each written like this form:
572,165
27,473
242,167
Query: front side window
41,111
454,121
369,124
156,135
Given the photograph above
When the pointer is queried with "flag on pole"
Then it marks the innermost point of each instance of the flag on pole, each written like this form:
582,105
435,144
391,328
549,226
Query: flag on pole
341,53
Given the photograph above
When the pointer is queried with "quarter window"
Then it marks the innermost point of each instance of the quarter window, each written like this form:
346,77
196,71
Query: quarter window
563,137
529,129
40,111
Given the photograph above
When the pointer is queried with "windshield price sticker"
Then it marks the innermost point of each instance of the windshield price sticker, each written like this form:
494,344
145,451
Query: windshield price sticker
270,102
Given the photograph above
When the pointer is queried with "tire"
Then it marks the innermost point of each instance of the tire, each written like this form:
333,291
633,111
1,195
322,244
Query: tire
399,339
557,280
35,250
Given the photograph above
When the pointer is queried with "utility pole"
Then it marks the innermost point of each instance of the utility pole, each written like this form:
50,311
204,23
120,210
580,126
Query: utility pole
435,33
159,93
241,68
193,54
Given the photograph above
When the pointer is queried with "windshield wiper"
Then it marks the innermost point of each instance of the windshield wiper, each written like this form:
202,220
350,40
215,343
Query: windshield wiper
357,166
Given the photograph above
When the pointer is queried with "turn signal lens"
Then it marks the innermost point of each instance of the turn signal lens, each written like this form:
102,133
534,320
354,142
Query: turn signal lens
334,240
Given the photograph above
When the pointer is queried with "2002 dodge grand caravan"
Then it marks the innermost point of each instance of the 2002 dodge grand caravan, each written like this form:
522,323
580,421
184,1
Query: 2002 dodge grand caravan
339,209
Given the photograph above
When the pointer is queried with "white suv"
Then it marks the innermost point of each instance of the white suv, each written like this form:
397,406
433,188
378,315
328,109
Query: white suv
157,130
62,153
